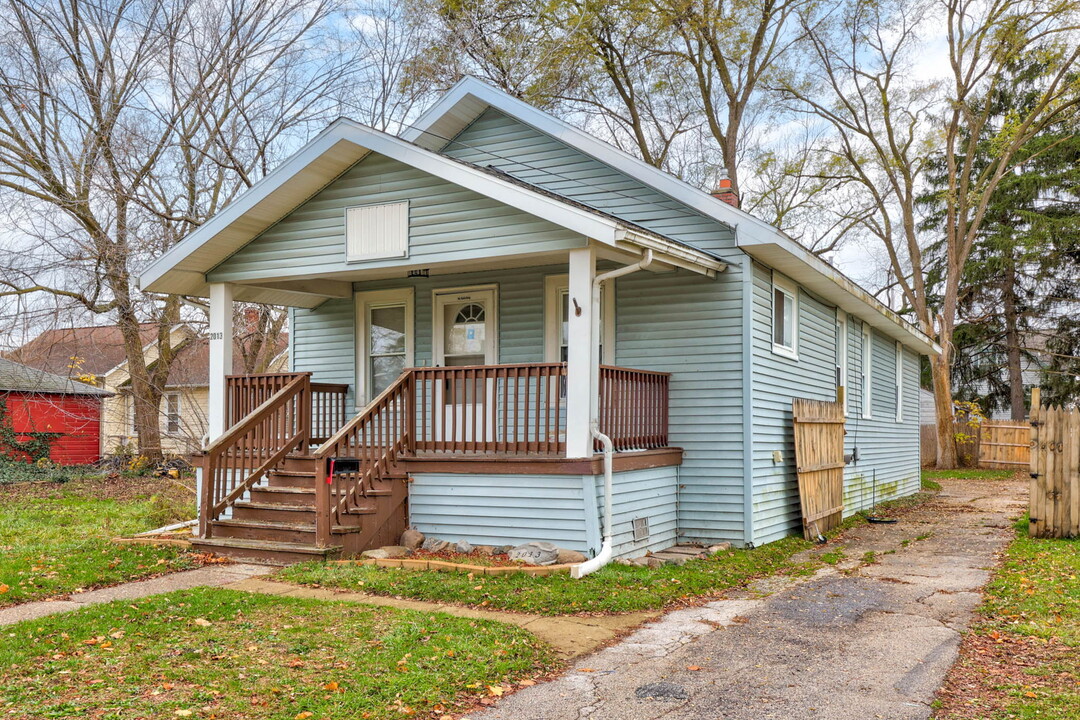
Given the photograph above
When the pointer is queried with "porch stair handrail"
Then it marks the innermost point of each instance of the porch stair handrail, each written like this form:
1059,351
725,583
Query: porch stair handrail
376,437
251,448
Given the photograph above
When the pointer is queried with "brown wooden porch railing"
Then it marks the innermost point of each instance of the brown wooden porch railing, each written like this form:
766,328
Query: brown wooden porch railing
634,407
491,408
244,393
376,438
252,447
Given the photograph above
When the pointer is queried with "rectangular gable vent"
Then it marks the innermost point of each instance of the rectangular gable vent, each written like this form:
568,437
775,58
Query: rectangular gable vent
641,528
375,232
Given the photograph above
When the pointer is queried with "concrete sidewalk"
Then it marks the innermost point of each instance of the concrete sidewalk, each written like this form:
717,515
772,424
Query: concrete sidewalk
855,641
209,576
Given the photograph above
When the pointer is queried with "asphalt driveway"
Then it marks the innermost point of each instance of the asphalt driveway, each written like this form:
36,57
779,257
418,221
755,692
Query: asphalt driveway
871,637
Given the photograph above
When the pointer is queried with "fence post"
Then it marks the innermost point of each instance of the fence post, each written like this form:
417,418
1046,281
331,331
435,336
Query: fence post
1035,416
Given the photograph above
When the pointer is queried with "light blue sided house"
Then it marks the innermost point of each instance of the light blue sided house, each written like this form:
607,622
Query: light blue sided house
479,307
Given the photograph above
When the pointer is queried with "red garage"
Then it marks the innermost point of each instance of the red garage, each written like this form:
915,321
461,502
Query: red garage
34,401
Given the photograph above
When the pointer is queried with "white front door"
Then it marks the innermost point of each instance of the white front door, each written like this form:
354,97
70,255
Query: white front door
466,334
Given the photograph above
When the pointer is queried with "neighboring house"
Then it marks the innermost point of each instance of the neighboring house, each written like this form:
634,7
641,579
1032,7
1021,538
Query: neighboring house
35,401
469,250
96,354
184,403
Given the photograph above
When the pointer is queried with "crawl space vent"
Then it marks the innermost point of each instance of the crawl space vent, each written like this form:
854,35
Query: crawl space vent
641,529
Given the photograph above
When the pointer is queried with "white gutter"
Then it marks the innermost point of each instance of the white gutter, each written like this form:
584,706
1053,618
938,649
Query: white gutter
604,556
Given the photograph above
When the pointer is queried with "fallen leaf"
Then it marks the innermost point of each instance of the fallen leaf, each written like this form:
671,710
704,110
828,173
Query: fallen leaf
693,668
330,686
586,670
3,588
1030,694
527,683
202,622
304,715
495,690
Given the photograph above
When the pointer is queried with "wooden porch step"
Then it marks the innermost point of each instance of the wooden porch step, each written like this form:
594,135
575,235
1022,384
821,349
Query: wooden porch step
264,552
305,496
274,512
294,532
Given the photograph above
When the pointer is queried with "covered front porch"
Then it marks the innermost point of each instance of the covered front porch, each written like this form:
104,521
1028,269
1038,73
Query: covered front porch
349,453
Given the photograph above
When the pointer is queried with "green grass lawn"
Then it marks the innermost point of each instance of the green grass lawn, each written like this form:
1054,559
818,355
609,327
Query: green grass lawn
218,653
615,588
54,537
967,474
1027,660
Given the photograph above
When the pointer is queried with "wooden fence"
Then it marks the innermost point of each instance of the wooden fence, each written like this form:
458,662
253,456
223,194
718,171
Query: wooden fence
1005,445
1054,505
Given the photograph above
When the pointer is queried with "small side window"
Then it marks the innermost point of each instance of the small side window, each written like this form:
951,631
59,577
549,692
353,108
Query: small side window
172,413
899,382
785,319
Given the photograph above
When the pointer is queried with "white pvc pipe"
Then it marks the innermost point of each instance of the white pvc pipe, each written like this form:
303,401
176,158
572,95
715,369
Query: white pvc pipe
604,556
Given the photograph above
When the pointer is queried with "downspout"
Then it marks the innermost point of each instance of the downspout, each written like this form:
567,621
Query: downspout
606,550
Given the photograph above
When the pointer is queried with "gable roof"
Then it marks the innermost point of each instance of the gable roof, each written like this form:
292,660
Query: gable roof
470,97
182,269
99,348
22,378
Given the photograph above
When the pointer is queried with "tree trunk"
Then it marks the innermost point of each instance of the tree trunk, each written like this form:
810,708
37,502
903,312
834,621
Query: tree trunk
943,406
145,399
1012,345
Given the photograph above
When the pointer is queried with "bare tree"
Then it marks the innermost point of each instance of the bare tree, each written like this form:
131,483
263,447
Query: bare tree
125,124
889,123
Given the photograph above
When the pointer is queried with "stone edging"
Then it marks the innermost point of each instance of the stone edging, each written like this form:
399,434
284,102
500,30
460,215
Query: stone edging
444,566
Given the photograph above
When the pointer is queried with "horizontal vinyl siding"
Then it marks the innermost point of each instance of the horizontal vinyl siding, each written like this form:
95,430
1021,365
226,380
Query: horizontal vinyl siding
526,153
501,509
885,446
446,222
641,494
323,342
777,380
691,327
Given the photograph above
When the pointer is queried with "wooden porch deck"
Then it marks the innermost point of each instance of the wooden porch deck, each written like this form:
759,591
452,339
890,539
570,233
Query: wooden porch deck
268,494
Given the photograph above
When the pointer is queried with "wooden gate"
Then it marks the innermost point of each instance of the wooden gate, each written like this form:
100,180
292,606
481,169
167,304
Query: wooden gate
1005,445
1054,505
819,463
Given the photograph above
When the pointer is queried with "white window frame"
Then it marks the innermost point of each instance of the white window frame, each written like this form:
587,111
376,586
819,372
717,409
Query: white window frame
899,382
867,371
179,413
791,290
365,302
554,287
842,357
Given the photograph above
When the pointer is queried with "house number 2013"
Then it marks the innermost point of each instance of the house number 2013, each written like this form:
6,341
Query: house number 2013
217,336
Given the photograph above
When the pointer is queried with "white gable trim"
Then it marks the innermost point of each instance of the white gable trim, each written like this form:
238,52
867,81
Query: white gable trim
182,268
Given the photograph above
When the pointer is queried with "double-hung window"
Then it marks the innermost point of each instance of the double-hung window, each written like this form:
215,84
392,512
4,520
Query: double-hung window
842,355
899,382
785,330
867,371
384,340
172,413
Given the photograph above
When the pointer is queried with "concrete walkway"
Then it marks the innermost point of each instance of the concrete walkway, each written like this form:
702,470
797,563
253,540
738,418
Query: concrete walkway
209,576
855,641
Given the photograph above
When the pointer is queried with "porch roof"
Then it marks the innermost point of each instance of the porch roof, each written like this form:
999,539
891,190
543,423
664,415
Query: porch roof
183,269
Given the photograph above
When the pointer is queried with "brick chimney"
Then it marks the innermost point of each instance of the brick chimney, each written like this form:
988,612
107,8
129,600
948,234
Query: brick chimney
723,190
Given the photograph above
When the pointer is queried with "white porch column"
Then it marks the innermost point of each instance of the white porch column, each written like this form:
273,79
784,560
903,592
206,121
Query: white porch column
221,354
582,338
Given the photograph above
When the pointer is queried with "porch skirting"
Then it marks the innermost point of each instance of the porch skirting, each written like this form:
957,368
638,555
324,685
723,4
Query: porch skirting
509,509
